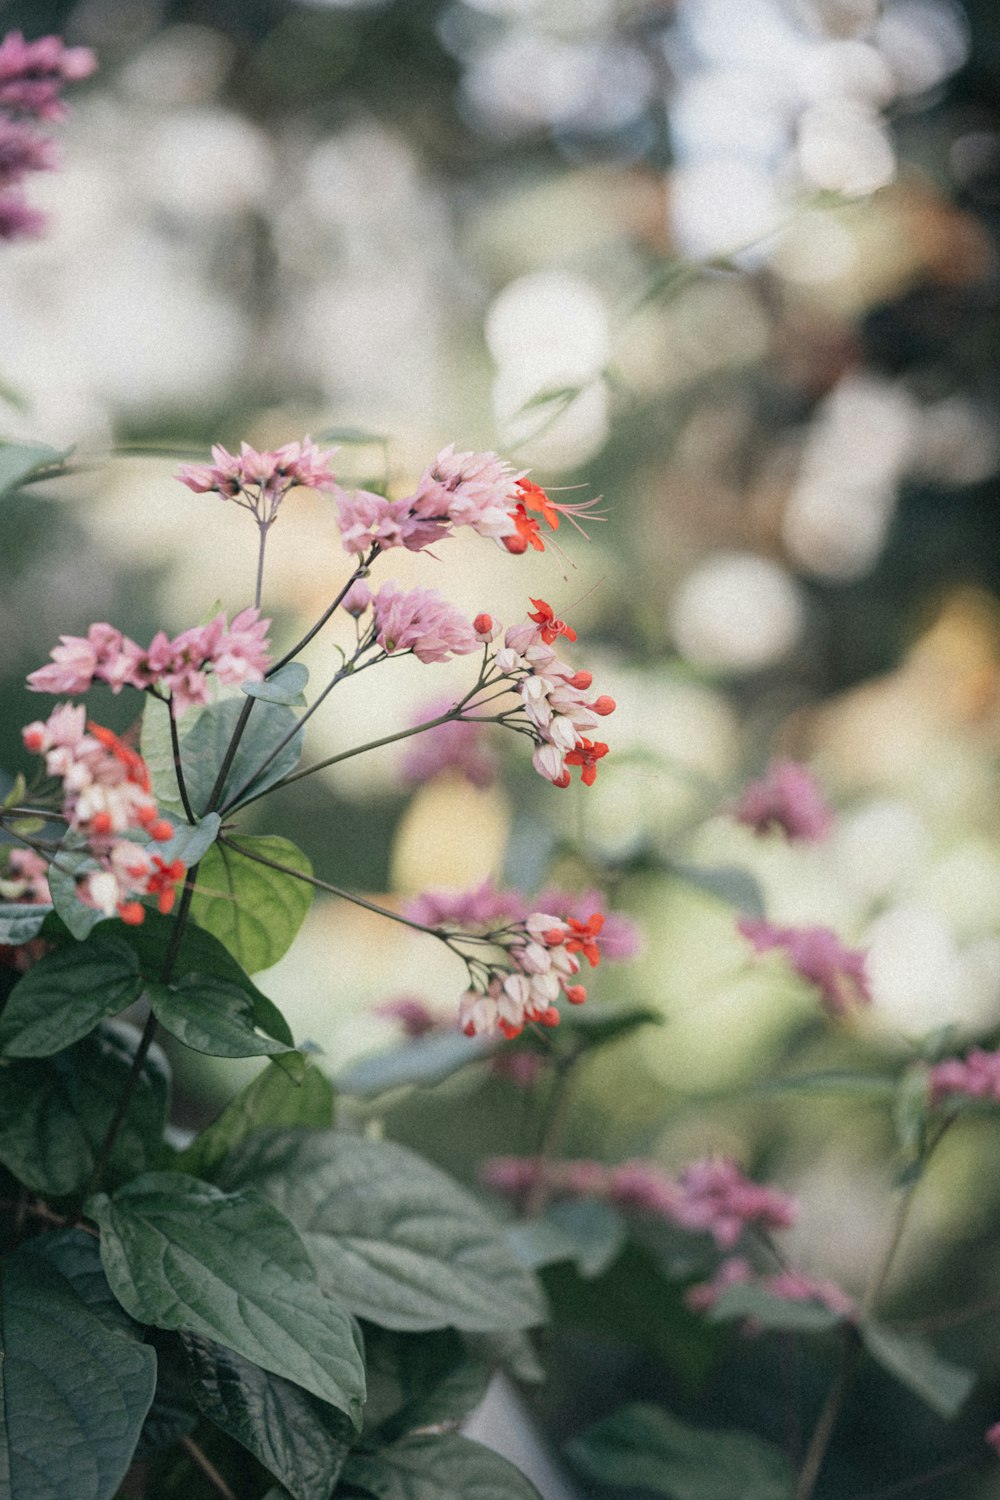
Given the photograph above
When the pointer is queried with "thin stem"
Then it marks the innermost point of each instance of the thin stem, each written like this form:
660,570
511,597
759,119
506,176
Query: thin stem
336,890
552,1135
332,760
146,1041
175,744
230,755
850,1348
823,1431
204,1463
359,572
263,528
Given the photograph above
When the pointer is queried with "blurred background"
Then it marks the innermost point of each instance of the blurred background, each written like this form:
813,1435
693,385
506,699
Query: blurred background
733,266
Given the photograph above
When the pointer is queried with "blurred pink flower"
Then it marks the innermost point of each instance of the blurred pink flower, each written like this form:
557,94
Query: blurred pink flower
789,798
976,1076
819,957
460,746
32,74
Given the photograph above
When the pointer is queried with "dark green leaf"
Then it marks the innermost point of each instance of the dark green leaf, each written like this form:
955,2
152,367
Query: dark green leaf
445,1467
19,923
788,1314
596,1024
76,1379
201,953
54,1112
286,686
272,1100
19,461
642,1447
211,1015
586,1231
66,993
393,1238
204,747
300,1439
424,1061
942,1385
181,1254
729,883
254,910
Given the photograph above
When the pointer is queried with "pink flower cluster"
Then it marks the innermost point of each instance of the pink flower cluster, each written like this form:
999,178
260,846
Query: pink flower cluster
486,908
459,745
975,1076
260,481
419,620
32,75
477,490
541,963
708,1197
788,798
819,957
789,1284
106,792
176,668
555,699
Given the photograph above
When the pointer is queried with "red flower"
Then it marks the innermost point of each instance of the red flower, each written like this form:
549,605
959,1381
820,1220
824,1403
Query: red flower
584,939
544,616
526,534
586,755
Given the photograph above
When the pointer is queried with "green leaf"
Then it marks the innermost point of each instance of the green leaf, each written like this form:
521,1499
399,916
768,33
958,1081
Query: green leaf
80,918
785,1313
66,993
204,747
444,1467
586,1231
597,1024
425,1061
435,1379
351,435
55,1112
157,750
910,1110
19,461
211,1015
181,1254
286,686
19,923
17,793
302,1441
393,1238
831,1081
76,1380
728,883
254,910
201,953
642,1447
191,841
942,1385
270,1100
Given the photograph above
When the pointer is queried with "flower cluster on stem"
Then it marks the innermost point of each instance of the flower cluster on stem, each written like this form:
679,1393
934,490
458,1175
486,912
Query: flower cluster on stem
819,957
105,794
32,77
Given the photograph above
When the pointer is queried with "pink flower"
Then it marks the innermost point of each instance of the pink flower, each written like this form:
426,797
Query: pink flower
819,957
366,518
465,489
709,1197
735,1270
235,654
460,746
358,599
619,938
992,1436
419,620
23,149
26,879
414,1015
485,907
976,1076
18,220
790,1285
789,798
32,74
260,481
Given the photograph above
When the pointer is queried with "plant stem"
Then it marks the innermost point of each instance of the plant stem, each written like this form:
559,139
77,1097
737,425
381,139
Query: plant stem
359,572
204,1463
336,890
553,1131
175,744
850,1348
262,527
146,1041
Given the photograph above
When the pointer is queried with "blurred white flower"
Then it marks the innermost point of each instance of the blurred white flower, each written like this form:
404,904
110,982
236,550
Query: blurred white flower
736,613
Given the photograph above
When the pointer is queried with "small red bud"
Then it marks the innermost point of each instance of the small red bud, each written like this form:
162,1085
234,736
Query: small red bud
515,544
483,624
581,681
604,705
132,913
550,1017
576,994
